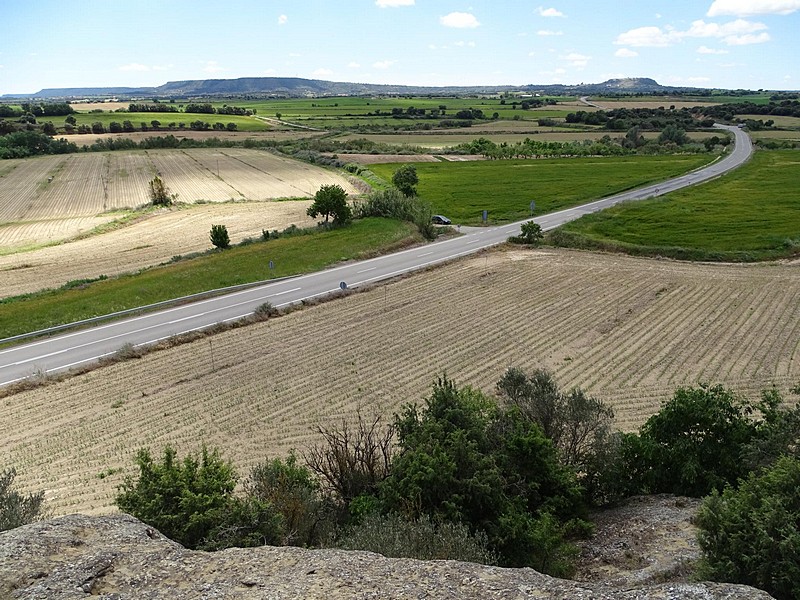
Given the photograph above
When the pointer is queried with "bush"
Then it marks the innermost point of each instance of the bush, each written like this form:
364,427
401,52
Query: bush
352,461
291,490
17,509
752,535
530,234
463,460
159,193
219,237
397,537
405,179
696,442
185,499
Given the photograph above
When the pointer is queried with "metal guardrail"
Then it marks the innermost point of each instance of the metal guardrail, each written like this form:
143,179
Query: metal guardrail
141,309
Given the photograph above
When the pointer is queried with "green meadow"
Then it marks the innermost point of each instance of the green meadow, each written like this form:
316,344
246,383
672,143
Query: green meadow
462,190
750,214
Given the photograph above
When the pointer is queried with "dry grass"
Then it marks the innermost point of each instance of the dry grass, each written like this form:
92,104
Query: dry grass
149,241
628,330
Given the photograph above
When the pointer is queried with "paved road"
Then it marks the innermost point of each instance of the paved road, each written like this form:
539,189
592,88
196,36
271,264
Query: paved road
77,348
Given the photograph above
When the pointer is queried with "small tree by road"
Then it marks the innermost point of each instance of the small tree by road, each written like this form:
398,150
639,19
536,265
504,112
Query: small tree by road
330,202
219,237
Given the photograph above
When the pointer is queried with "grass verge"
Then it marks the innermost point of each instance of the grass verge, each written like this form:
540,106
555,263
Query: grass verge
243,264
462,190
751,214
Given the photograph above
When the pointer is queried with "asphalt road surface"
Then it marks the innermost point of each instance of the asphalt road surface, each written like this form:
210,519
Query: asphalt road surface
60,352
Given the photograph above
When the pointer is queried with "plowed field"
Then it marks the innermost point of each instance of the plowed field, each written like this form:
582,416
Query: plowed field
627,330
51,199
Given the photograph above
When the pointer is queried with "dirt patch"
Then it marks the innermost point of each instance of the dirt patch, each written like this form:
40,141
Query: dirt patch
627,330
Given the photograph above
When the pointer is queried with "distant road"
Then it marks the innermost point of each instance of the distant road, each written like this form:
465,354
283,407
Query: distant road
587,102
85,346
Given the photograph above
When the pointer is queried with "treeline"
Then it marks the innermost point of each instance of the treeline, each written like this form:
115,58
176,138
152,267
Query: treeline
48,109
22,144
192,107
622,119
728,112
670,139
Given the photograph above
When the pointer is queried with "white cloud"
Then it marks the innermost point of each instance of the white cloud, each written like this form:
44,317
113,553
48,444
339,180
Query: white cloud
577,60
134,67
560,71
212,66
738,32
383,64
322,73
465,44
748,8
747,39
549,12
294,55
698,80
645,37
354,65
707,50
459,20
625,53
393,3
547,32
282,20
268,72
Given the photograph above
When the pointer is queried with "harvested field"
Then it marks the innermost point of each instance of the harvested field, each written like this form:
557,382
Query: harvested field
627,330
79,186
18,236
150,241
373,159
610,104
433,141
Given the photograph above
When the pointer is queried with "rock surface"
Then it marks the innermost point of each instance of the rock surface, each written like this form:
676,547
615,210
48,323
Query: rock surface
119,557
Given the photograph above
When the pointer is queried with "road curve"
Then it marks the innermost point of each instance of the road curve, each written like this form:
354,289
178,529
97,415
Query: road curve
84,346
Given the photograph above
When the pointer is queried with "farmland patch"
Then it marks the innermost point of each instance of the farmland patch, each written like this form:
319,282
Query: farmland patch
626,330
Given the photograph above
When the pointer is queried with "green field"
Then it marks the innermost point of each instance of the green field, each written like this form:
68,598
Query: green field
461,190
778,120
750,214
243,264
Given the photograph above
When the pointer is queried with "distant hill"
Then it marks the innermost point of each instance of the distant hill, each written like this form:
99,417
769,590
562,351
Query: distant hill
295,87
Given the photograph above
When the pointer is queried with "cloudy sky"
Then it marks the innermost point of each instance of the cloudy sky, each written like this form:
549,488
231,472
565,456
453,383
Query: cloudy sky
749,44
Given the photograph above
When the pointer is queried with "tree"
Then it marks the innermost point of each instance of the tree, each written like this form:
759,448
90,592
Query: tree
71,120
530,233
331,201
405,179
115,127
185,499
159,192
98,127
673,134
17,509
752,535
219,237
48,128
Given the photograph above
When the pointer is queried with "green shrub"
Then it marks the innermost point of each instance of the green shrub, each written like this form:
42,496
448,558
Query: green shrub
17,509
752,535
182,499
397,537
463,460
219,237
291,490
696,442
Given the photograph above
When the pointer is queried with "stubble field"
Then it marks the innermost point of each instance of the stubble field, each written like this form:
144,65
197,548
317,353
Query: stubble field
48,200
627,330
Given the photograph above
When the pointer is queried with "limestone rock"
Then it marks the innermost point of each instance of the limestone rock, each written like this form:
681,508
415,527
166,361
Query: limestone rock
119,557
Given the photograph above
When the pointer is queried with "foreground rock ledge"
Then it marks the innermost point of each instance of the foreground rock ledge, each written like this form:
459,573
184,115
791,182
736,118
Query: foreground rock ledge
117,556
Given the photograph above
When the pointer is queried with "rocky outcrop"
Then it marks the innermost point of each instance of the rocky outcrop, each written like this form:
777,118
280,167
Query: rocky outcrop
119,557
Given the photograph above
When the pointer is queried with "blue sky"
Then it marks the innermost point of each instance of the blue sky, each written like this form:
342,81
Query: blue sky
749,44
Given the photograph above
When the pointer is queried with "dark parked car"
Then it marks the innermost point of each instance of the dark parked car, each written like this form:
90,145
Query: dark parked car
440,220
